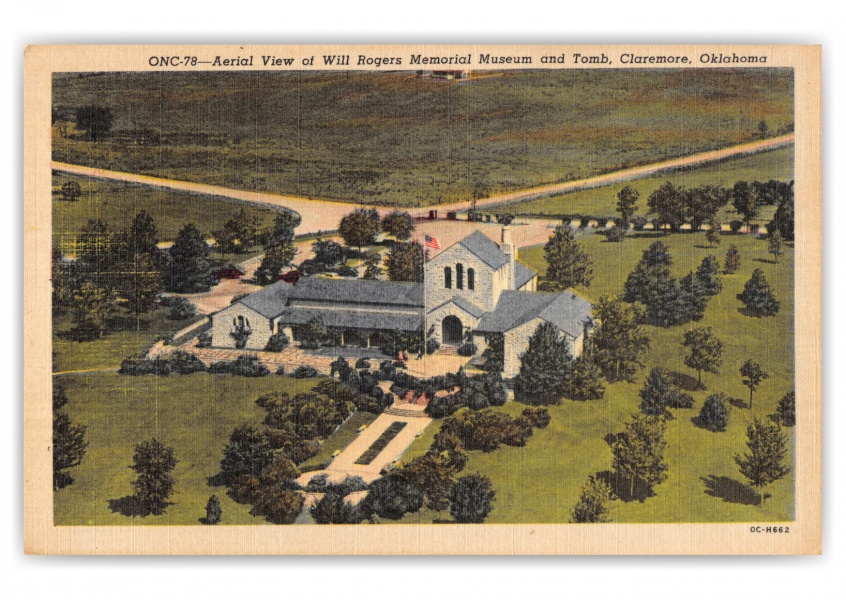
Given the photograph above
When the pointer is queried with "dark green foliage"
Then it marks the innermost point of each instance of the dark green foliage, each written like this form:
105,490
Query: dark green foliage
703,202
277,342
246,365
405,262
732,260
69,442
312,334
304,372
451,447
708,274
178,361
536,417
213,511
346,271
639,452
585,381
239,233
691,300
327,252
360,227
312,415
381,442
735,225
341,367
60,397
656,394
247,453
278,505
71,191
180,308
592,506
745,201
712,235
189,269
668,202
715,412
332,509
486,429
153,462
467,349
398,224
92,311
785,413
544,368
362,363
706,351
392,496
567,264
471,499
372,266
619,344
774,243
615,234
433,473
279,250
95,120
626,206
783,220
494,354
768,447
753,375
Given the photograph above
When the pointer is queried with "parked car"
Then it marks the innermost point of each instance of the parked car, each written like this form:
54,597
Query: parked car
290,277
362,428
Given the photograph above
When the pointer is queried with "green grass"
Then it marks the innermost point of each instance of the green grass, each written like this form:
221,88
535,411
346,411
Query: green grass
193,413
392,138
776,164
540,483
117,204
340,439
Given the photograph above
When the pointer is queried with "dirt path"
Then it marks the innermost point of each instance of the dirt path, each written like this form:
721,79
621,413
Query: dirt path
324,215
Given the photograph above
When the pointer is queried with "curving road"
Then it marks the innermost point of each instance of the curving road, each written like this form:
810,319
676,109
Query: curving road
324,215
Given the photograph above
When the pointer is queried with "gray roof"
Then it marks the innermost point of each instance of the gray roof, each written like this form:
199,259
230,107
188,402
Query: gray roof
522,275
272,300
486,249
353,319
568,311
464,305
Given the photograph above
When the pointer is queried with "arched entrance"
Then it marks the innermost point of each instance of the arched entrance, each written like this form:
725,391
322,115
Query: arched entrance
453,330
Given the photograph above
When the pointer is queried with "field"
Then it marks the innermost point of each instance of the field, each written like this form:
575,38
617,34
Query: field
540,483
601,202
118,203
396,139
193,413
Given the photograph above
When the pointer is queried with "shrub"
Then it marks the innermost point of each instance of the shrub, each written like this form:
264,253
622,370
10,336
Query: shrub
467,349
471,499
278,505
280,370
247,453
391,497
248,365
213,511
184,363
347,271
277,342
638,221
536,416
180,308
715,412
362,363
304,372
144,366
786,411
432,346
615,234
735,225
333,509
204,340
244,489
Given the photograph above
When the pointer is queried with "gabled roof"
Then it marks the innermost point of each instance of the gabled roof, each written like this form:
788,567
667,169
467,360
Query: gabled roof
567,311
486,249
522,275
269,301
466,306
353,319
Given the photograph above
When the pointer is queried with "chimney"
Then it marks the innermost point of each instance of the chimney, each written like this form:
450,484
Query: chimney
510,250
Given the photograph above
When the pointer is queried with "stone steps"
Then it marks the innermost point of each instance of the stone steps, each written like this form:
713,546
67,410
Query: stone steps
405,412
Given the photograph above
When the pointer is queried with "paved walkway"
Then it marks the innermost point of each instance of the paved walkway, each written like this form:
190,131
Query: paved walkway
344,464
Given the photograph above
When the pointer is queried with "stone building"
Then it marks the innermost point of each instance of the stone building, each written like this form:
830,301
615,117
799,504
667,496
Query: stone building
472,290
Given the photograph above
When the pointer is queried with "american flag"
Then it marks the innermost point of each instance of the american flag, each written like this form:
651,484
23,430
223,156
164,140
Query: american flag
431,242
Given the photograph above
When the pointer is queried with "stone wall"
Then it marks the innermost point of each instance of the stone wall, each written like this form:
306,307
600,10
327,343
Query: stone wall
436,317
488,285
517,342
223,323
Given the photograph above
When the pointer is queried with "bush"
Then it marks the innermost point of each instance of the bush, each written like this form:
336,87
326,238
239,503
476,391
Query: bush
280,370
346,271
277,342
278,505
786,411
304,372
184,363
432,346
391,497
471,499
213,511
467,349
638,221
144,366
333,509
248,365
735,225
536,417
204,340
180,308
362,363
244,489
615,234
715,412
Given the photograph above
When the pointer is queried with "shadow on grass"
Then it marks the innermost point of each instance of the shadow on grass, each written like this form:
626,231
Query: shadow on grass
621,487
738,403
765,261
731,490
217,480
688,383
129,506
701,424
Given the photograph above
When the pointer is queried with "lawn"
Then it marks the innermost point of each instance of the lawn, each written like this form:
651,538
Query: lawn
776,164
396,139
540,483
340,439
117,204
193,413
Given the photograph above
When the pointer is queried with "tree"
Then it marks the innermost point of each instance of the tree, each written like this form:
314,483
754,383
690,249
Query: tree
278,505
753,376
247,453
405,262
71,191
732,260
744,201
774,244
708,274
279,250
93,309
619,343
715,412
639,452
189,269
784,219
544,367
706,351
213,511
656,394
668,302
494,354
141,237
702,203
668,202
140,283
68,444
96,121
333,509
238,233
94,246
398,224
471,499
60,397
372,266
627,205
592,506
758,297
434,474
391,497
327,252
567,264
785,413
585,379
360,227
153,462
712,235
764,463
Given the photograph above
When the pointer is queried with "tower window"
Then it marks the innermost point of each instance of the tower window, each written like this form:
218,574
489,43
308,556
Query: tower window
471,279
459,276
447,278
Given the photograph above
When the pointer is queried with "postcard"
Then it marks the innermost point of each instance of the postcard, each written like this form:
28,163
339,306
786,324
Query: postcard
422,299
